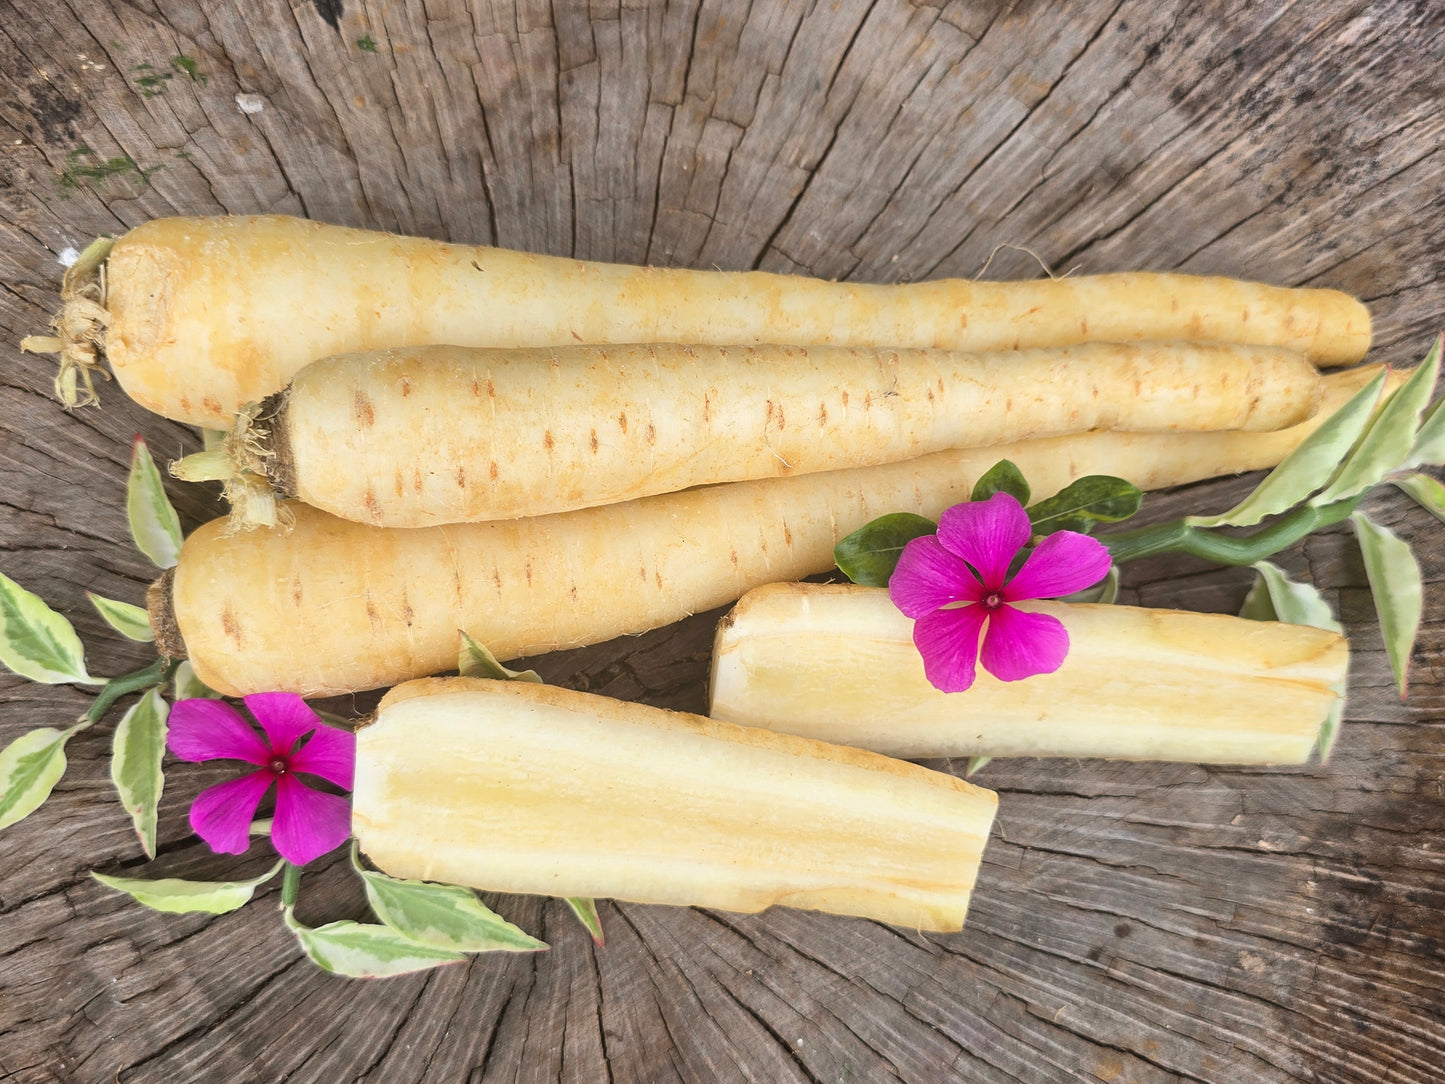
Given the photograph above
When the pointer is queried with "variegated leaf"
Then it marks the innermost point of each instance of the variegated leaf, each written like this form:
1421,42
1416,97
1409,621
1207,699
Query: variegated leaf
1398,590
135,765
154,525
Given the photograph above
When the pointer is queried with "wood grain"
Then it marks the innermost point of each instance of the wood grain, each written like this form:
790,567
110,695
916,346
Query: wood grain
1134,922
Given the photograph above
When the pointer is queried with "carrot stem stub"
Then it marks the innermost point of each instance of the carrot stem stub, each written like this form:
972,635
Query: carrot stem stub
534,789
440,434
203,315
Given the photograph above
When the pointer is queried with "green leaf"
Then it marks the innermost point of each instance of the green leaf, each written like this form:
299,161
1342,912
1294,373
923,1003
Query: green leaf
1105,592
1389,440
1429,447
1330,728
365,951
443,917
1427,492
1308,467
974,764
1002,477
130,621
30,766
1430,439
586,911
1086,502
135,764
190,687
1258,606
1291,602
869,555
211,439
153,522
1398,588
474,660
35,641
1275,597
178,897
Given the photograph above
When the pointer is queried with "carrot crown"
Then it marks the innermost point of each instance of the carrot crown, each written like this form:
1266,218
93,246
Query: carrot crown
241,462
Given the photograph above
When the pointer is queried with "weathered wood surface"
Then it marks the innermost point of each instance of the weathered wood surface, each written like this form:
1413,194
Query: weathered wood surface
1134,922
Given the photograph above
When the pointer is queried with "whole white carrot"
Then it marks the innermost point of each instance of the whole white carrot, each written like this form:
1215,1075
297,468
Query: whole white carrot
198,316
515,787
837,662
336,606
440,434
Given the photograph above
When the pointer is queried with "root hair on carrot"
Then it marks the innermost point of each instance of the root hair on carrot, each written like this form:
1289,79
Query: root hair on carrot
241,464
1043,264
79,327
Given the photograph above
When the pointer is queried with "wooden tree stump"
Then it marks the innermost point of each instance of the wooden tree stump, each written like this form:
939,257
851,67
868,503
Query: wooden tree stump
1133,922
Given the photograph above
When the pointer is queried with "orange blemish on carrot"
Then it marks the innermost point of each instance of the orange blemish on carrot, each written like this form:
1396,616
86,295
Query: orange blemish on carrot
365,412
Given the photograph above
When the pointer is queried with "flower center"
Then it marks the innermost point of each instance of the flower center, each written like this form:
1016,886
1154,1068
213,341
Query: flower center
993,600
279,765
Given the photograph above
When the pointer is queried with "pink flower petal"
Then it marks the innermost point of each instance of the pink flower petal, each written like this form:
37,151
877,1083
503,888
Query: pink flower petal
948,642
1018,645
212,730
1062,563
986,534
283,716
928,577
329,753
222,815
308,823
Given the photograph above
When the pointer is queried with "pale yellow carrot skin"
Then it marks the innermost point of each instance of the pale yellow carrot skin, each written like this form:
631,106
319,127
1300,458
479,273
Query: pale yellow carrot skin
516,787
206,314
335,606
417,436
837,662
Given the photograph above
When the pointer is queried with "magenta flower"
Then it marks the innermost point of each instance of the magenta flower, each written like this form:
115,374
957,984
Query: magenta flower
307,822
967,563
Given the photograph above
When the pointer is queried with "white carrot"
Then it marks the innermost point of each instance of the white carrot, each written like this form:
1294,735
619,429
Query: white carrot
198,316
439,434
534,789
837,662
335,606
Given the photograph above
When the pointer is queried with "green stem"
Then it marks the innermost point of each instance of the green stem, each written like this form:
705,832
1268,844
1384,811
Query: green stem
1177,536
290,885
157,673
